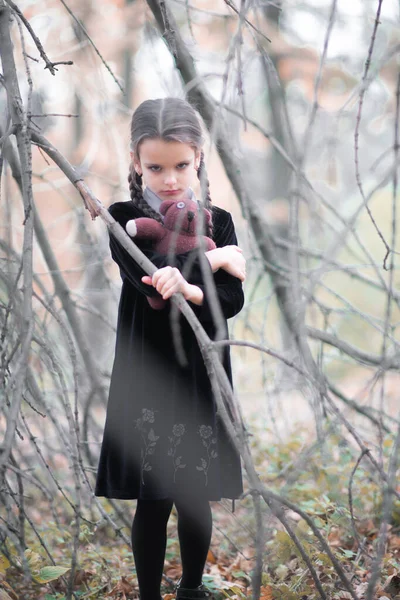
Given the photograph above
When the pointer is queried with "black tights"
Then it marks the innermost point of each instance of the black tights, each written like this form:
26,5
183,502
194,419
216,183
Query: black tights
149,540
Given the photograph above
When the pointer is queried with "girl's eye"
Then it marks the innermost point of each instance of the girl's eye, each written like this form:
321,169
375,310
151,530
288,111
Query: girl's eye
180,205
155,169
182,165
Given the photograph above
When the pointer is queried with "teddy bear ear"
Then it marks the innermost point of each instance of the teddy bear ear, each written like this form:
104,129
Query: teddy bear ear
164,206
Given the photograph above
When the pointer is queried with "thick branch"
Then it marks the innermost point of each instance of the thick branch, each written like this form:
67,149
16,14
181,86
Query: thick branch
24,149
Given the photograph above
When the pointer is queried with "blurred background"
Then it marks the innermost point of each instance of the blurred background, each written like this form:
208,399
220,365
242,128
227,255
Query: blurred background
307,93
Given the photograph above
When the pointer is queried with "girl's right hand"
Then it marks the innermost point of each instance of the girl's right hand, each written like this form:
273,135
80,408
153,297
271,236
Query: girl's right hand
229,258
169,280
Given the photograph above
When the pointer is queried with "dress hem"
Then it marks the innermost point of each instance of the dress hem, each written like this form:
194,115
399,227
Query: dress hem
120,495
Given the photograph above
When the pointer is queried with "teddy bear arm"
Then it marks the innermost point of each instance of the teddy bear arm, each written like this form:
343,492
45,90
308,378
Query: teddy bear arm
145,228
209,243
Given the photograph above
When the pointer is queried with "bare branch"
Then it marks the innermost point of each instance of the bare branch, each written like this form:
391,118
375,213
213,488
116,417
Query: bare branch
83,28
49,65
357,131
24,149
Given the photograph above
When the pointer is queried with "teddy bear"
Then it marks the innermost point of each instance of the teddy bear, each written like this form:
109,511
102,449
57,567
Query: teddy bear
178,232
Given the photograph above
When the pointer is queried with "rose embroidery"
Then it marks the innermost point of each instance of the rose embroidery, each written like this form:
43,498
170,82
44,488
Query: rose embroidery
178,431
208,441
148,415
205,431
149,439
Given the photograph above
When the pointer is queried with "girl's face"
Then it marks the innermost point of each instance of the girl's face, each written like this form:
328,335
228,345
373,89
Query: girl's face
167,168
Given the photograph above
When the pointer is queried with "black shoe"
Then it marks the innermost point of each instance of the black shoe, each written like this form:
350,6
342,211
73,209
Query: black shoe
199,593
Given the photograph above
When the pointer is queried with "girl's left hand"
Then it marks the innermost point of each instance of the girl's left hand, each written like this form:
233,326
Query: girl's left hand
167,281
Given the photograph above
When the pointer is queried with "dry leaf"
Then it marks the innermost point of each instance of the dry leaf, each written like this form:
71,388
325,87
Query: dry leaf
394,542
82,576
266,593
282,572
123,587
392,585
361,588
211,558
4,564
4,585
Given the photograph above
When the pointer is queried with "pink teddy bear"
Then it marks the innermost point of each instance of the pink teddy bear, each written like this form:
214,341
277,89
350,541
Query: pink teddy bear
178,233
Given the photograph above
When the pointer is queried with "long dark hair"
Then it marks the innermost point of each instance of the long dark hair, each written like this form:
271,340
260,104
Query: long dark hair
172,120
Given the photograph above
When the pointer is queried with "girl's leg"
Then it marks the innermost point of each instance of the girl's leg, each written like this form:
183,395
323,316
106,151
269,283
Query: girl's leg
194,531
149,540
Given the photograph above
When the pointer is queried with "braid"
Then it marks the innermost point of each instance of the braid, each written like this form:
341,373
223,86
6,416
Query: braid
136,193
205,189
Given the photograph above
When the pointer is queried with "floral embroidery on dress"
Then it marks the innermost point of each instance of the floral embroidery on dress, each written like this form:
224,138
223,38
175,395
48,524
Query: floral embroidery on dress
178,431
206,433
149,439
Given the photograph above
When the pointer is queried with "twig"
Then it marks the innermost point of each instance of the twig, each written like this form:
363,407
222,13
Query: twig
52,115
81,25
357,131
350,494
49,65
362,410
313,113
259,537
235,10
387,502
392,362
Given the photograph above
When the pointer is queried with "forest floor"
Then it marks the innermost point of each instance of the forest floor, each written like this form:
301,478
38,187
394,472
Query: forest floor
314,474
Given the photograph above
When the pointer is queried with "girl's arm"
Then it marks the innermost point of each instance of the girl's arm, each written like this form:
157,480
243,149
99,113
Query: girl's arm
229,287
230,258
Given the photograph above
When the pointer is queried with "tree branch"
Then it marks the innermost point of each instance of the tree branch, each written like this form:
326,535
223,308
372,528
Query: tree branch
49,64
24,148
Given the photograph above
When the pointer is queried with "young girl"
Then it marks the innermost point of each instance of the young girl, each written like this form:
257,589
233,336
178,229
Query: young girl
163,441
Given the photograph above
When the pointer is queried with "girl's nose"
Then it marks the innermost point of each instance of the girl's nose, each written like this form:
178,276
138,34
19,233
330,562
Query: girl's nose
170,179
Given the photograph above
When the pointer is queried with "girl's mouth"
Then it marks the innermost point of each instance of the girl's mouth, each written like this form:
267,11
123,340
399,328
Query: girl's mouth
170,192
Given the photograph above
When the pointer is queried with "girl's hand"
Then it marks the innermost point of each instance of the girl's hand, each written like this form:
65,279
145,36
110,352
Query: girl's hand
229,258
169,280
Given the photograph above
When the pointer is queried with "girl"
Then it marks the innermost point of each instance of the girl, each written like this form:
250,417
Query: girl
163,441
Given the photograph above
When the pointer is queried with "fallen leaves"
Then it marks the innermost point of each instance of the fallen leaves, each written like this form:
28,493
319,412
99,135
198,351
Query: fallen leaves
211,558
6,592
122,590
392,585
266,593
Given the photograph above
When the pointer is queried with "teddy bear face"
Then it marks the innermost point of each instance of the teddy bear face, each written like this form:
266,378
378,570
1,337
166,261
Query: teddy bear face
182,216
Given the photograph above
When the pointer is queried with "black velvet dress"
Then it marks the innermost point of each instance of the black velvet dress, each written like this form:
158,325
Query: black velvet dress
162,436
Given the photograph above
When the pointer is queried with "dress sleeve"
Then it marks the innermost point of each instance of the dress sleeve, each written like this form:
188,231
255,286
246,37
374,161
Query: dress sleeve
189,262
229,288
